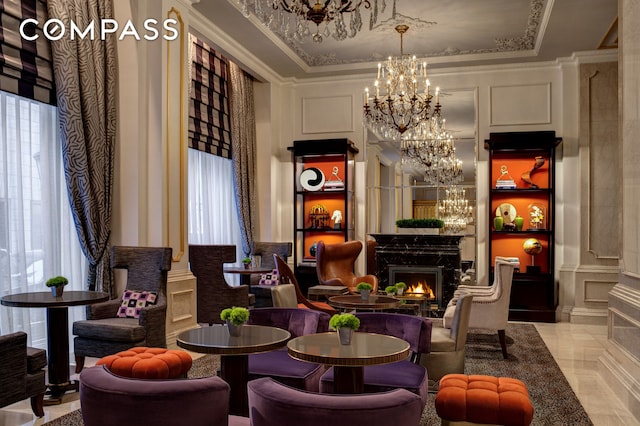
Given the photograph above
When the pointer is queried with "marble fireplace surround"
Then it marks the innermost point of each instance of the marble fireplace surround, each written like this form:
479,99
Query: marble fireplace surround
420,250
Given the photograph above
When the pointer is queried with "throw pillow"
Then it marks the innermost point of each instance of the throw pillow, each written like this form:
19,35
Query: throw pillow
272,278
133,301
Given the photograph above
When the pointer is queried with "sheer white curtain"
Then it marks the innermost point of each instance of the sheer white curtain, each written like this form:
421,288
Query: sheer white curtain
213,217
38,239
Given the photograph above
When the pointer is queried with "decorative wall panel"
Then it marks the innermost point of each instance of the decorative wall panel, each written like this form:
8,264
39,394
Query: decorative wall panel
521,104
327,114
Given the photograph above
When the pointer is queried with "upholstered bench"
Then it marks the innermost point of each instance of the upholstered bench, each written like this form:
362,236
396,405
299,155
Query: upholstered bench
484,400
149,363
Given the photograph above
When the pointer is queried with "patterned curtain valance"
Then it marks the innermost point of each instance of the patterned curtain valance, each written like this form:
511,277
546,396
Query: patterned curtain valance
25,66
209,122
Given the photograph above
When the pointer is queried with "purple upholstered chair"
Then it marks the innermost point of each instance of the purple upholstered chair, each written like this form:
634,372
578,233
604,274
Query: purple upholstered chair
407,374
274,404
278,364
107,399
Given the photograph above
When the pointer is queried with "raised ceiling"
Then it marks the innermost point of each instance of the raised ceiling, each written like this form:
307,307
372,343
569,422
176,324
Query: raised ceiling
445,33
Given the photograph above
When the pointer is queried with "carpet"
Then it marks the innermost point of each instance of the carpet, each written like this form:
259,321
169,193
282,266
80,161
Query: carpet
529,360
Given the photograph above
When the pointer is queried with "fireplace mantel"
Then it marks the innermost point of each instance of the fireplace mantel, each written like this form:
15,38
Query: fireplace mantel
420,250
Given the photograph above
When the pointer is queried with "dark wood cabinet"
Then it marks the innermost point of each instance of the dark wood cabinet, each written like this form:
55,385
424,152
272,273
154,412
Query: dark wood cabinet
324,200
522,212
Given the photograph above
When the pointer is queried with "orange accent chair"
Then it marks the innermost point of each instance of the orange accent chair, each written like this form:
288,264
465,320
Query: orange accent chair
287,276
335,264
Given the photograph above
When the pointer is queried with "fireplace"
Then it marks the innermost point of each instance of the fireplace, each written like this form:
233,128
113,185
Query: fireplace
419,252
420,281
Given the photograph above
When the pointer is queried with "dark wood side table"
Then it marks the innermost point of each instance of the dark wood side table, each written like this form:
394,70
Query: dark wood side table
355,301
348,361
234,351
245,273
57,332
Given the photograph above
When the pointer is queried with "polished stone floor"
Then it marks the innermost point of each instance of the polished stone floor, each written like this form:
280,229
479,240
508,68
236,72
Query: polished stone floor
576,348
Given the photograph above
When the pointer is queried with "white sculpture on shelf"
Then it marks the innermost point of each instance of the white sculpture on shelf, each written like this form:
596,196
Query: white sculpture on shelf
337,219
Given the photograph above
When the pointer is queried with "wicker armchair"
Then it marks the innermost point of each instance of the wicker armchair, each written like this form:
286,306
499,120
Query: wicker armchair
104,332
266,250
21,372
214,294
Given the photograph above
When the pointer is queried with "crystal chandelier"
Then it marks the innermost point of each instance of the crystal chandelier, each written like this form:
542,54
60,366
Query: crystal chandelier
455,210
431,150
401,98
281,15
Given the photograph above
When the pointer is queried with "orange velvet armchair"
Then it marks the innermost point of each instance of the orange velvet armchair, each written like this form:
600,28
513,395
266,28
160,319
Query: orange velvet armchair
335,265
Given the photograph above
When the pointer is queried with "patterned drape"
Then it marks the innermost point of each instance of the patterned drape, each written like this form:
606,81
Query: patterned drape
209,122
243,142
85,75
25,65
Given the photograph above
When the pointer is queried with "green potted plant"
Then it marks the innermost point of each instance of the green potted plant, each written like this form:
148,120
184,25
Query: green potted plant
57,285
364,289
390,290
400,287
345,325
422,226
247,262
235,317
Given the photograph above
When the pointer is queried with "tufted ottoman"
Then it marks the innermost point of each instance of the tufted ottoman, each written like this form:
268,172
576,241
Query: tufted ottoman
149,363
483,400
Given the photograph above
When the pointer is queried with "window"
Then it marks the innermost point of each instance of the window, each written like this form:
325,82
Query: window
38,239
213,217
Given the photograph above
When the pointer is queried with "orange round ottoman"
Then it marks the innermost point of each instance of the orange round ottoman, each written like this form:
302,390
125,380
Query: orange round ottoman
149,363
483,400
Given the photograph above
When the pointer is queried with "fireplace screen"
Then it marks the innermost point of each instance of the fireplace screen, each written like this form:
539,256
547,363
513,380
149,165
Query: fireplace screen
420,281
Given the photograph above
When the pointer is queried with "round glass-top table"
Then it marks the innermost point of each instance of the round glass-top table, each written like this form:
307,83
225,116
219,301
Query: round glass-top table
373,303
348,360
234,351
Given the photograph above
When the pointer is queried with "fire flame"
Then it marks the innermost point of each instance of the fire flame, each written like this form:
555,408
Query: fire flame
421,288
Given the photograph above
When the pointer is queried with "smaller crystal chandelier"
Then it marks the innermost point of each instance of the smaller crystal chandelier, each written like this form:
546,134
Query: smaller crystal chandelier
280,15
431,150
455,210
402,97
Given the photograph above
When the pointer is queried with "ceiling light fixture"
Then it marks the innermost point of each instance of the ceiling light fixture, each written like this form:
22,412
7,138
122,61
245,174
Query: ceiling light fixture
402,97
455,210
281,15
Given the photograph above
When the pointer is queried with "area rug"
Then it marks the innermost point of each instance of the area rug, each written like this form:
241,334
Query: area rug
529,360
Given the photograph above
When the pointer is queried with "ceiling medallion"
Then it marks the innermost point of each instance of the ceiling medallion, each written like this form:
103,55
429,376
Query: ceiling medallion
281,16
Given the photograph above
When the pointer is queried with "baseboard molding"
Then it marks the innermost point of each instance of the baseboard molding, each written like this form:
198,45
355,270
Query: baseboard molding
624,385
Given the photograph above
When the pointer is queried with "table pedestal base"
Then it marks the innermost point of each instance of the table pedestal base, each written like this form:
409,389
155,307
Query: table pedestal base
234,369
55,392
348,380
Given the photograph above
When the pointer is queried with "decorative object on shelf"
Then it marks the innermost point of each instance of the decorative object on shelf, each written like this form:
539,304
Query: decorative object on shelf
235,317
337,219
291,19
334,183
319,217
537,216
507,211
345,324
312,179
365,290
400,287
406,101
247,262
455,210
57,285
313,249
518,221
526,176
498,222
505,181
532,247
